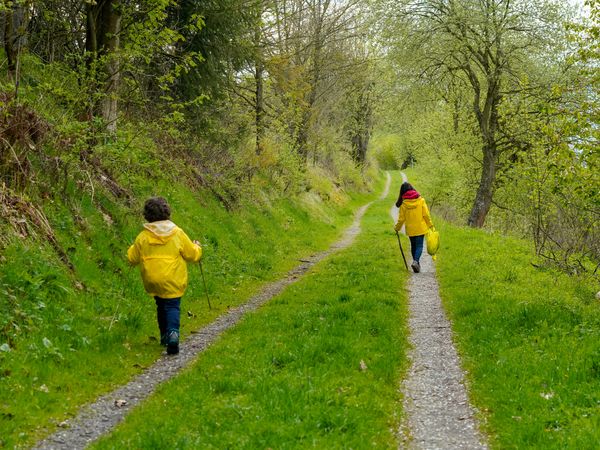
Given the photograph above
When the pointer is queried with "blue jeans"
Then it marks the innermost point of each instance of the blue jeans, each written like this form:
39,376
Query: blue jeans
167,313
416,246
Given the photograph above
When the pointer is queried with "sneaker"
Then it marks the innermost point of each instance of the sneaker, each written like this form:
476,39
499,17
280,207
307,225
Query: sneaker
163,339
172,342
415,267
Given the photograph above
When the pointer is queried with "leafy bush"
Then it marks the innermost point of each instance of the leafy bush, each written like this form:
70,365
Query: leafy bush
386,150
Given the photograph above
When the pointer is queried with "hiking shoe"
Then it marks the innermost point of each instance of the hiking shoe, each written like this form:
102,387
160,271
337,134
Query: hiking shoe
163,339
172,342
416,267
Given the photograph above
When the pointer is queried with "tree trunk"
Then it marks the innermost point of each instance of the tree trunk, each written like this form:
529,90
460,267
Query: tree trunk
485,192
318,16
15,23
456,115
360,143
259,108
9,48
487,118
363,124
103,43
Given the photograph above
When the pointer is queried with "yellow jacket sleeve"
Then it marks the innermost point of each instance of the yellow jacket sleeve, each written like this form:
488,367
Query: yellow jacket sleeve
427,216
401,219
190,251
133,255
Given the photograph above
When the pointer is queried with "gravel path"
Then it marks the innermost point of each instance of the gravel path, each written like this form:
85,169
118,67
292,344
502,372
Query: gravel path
103,415
438,413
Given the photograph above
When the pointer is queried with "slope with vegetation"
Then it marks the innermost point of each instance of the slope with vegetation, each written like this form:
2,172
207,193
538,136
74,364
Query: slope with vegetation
318,366
529,340
75,321
264,124
528,336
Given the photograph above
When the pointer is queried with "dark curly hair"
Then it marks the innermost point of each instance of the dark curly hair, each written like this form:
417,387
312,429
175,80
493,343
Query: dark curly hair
156,208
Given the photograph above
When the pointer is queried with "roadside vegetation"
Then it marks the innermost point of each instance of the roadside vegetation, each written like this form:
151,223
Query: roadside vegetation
528,336
91,125
319,366
529,339
64,344
265,124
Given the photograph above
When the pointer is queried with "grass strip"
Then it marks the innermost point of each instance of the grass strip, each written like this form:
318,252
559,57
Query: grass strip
64,347
529,338
319,366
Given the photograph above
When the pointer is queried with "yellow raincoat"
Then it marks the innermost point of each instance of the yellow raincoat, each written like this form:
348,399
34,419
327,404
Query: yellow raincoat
415,214
162,249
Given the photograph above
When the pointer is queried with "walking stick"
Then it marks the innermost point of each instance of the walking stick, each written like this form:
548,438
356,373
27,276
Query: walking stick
204,281
401,251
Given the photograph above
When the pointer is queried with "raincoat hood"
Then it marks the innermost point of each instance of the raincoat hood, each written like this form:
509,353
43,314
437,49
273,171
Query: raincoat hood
412,203
161,231
409,195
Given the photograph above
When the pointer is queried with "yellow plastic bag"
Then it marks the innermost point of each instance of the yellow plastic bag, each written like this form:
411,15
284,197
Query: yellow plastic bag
433,241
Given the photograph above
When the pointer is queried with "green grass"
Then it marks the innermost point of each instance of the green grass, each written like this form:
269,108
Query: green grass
529,338
289,375
68,344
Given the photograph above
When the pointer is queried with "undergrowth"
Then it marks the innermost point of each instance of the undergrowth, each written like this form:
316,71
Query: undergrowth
318,366
74,319
67,337
529,339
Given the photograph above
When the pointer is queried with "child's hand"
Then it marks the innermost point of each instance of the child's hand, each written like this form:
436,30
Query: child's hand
197,243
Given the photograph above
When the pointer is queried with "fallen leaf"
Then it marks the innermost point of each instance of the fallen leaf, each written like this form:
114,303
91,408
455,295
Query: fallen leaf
120,403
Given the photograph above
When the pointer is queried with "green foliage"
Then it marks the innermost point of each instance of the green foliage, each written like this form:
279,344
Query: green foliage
318,366
547,184
387,151
528,338
58,327
148,33
221,37
440,152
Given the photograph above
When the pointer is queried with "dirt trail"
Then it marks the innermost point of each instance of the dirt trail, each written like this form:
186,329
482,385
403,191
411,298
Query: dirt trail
438,413
103,415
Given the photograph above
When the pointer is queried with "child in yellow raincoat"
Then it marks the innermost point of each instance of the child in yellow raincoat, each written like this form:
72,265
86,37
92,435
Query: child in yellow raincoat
162,249
415,214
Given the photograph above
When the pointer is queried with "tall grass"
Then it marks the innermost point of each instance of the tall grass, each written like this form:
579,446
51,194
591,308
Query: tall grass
67,337
317,367
529,338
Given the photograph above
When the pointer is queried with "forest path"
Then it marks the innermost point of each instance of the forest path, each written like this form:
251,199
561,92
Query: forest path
100,417
437,409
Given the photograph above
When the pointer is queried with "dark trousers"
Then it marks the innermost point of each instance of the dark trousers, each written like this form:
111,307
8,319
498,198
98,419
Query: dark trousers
416,246
167,314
